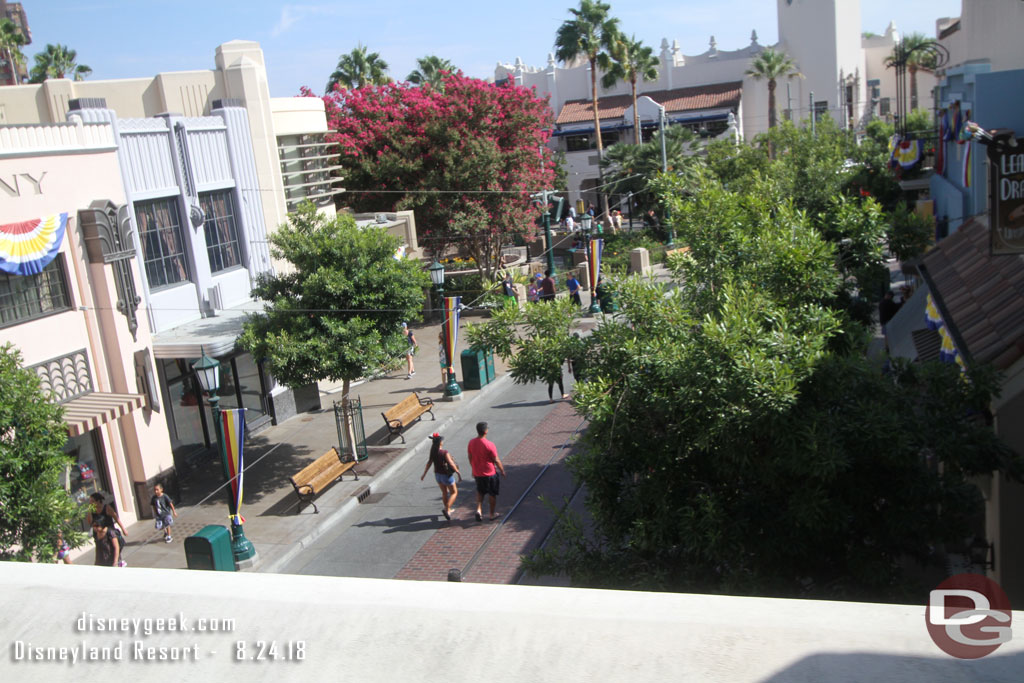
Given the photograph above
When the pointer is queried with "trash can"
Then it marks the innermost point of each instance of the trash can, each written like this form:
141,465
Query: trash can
489,362
210,549
474,370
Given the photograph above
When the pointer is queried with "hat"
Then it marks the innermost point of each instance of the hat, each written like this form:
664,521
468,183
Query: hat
539,276
405,324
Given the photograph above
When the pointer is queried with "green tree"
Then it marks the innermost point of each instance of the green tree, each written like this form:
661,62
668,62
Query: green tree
631,168
915,51
35,506
358,68
57,61
588,34
431,70
771,65
11,42
337,315
628,59
731,448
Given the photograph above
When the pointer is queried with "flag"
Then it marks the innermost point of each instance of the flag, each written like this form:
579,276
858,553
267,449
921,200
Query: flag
931,314
29,246
940,145
233,423
452,304
594,262
907,153
967,167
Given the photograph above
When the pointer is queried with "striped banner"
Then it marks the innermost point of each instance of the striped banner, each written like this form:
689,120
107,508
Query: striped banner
29,246
594,261
233,422
451,326
967,166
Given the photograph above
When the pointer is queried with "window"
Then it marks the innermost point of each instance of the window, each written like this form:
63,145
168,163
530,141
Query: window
163,248
221,235
884,106
578,143
820,109
24,297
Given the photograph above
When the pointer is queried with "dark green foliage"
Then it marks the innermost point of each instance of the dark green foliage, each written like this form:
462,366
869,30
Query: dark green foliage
35,507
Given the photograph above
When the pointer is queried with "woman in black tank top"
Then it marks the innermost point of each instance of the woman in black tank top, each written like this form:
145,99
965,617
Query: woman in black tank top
445,472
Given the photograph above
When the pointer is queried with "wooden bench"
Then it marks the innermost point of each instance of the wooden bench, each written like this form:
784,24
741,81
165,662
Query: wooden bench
318,475
404,413
673,252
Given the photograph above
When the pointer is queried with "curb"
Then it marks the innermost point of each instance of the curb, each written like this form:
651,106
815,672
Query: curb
382,477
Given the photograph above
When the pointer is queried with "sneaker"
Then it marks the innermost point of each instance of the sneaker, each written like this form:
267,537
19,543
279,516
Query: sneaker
479,517
167,539
408,376
122,563
412,373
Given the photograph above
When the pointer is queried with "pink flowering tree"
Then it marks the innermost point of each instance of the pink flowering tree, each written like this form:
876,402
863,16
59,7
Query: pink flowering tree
466,159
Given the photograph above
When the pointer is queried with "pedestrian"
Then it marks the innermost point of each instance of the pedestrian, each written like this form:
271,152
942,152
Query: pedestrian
410,339
445,471
533,293
108,549
574,288
163,511
547,287
483,458
100,509
442,357
570,223
63,549
590,210
508,287
616,222
561,388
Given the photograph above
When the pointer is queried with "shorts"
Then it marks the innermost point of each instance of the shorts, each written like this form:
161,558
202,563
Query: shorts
164,521
63,550
487,486
411,351
446,479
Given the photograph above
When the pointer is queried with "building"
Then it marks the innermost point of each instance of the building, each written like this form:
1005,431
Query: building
844,74
208,166
74,314
16,13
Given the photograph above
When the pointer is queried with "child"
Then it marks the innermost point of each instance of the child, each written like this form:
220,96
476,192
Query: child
163,511
63,549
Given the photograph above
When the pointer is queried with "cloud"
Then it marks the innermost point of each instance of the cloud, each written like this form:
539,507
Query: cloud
293,14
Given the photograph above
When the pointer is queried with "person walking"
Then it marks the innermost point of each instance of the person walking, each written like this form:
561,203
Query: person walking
108,549
484,460
570,224
533,293
573,286
508,287
164,511
616,222
100,509
561,387
547,287
411,351
445,471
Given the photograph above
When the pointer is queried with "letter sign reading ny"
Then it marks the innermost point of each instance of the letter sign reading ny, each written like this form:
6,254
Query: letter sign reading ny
19,184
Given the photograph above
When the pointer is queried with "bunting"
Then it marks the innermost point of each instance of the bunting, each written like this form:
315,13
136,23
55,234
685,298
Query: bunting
594,262
948,351
452,304
233,422
29,246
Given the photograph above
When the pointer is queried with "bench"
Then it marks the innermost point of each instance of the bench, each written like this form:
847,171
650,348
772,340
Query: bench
674,252
404,413
317,475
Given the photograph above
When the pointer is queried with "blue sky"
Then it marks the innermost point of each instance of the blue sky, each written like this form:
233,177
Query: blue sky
302,41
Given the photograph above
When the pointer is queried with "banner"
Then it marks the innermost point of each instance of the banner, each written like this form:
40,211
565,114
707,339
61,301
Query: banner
1006,199
29,246
452,304
594,261
233,423
967,166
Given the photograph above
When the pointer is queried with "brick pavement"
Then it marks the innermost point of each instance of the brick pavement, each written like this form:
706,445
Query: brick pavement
454,545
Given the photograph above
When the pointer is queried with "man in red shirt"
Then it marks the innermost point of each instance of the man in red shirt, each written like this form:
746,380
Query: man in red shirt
483,457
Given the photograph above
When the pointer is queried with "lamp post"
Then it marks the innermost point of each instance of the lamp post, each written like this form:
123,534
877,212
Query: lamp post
208,373
437,277
664,169
549,246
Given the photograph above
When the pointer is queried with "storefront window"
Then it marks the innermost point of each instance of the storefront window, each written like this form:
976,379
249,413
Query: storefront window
87,474
241,387
183,417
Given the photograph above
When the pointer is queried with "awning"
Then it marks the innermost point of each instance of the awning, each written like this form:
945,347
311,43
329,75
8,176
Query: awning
88,412
215,336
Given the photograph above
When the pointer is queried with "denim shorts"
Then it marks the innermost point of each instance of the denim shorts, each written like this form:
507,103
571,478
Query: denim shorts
446,479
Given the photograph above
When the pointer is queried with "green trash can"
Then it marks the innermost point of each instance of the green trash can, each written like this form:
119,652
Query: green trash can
210,549
489,362
474,371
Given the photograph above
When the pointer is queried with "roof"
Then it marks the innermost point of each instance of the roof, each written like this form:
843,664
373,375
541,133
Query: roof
981,295
676,100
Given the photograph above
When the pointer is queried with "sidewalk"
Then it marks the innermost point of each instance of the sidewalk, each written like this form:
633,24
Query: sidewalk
269,507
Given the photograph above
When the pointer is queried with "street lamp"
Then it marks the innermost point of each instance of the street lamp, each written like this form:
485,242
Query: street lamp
208,373
437,277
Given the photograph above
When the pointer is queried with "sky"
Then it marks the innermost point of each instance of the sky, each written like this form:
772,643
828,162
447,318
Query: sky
302,41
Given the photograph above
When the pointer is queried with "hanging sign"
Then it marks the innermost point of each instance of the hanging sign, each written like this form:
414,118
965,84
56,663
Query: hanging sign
1007,200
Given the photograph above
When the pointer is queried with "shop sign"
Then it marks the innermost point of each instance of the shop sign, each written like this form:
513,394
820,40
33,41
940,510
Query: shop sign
1007,200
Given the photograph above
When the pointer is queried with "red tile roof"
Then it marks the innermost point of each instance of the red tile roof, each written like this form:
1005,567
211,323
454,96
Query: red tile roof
716,95
983,294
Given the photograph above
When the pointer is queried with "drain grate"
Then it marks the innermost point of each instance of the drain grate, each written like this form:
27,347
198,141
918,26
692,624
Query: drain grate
362,493
374,498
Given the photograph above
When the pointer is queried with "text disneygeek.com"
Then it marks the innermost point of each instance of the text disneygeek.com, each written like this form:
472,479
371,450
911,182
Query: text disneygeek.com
88,649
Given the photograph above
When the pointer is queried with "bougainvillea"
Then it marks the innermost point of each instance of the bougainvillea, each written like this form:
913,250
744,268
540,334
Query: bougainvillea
466,159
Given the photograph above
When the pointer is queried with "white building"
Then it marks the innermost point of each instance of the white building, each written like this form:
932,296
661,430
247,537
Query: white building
823,37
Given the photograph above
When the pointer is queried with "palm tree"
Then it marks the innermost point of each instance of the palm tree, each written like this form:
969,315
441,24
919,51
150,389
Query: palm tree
431,70
628,59
57,61
359,68
588,34
914,49
11,40
770,65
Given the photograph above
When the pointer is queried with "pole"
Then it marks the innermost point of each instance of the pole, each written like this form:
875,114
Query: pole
547,234
241,548
789,102
813,116
664,169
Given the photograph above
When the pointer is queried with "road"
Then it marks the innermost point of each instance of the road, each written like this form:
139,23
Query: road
400,532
